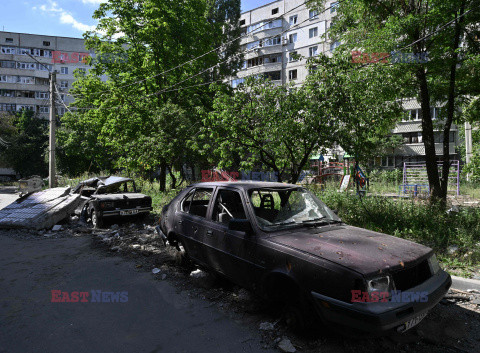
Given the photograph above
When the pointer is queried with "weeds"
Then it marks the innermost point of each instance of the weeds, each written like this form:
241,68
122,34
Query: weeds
417,221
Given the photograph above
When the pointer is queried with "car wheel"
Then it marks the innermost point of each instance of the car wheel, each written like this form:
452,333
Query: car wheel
182,259
97,220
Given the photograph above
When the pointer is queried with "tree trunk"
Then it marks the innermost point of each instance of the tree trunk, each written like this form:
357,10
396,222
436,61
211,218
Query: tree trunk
163,175
428,137
173,182
450,106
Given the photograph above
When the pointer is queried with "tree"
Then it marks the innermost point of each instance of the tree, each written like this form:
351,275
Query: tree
261,123
447,32
26,152
134,115
361,114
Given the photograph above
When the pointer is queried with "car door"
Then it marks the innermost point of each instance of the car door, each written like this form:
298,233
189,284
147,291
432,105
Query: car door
230,252
191,221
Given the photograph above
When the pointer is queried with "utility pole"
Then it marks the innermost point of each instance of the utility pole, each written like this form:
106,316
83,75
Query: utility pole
52,182
468,145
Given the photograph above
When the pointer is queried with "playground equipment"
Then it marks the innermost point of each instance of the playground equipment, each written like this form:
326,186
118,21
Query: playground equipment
329,170
415,178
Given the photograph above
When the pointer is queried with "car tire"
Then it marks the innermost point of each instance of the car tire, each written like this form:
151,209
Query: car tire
182,259
97,220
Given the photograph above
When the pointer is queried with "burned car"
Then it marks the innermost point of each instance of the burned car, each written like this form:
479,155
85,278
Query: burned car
286,245
112,196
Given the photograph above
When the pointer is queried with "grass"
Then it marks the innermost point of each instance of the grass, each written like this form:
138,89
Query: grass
417,221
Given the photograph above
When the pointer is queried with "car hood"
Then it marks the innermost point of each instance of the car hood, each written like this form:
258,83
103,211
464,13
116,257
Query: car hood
359,249
112,197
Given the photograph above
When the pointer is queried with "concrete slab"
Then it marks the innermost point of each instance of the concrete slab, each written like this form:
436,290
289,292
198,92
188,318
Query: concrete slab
40,210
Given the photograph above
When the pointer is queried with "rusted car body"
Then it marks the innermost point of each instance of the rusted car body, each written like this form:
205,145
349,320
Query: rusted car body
282,242
112,197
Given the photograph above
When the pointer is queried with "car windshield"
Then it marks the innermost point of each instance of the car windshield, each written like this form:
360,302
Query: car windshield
277,208
117,188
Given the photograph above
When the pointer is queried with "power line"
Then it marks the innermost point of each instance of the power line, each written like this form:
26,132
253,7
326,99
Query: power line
205,54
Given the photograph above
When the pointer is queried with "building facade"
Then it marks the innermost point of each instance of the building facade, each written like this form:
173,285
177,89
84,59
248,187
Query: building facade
25,63
278,39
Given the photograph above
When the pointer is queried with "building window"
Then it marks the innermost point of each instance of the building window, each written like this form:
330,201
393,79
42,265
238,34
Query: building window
8,50
7,93
237,82
9,40
8,107
43,109
275,11
63,84
25,107
273,41
253,45
64,70
26,80
388,161
292,74
24,51
313,14
292,38
61,111
273,75
313,51
242,22
293,20
26,66
42,95
46,44
333,7
7,64
334,46
293,56
313,32
45,67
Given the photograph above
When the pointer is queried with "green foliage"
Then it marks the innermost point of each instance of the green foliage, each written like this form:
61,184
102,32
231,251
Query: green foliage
386,176
141,126
28,144
267,124
361,114
424,223
451,74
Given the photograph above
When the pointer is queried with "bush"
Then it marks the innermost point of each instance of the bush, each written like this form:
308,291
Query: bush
426,224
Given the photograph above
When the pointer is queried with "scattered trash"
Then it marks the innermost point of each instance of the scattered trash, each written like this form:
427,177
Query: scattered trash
286,346
476,301
454,209
243,295
155,270
473,291
267,326
452,249
115,227
56,228
198,274
164,276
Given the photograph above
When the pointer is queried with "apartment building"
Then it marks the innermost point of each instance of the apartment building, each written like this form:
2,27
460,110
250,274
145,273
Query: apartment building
25,63
281,35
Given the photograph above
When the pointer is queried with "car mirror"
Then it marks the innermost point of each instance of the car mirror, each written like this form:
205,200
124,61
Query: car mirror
240,225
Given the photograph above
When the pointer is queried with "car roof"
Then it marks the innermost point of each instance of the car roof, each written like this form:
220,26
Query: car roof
246,184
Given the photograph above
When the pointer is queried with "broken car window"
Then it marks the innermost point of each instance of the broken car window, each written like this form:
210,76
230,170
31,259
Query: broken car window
228,205
198,203
288,207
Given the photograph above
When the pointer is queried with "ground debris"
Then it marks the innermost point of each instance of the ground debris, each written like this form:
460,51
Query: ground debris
286,346
267,326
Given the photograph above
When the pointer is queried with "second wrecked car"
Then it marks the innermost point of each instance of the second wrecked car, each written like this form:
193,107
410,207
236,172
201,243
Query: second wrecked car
112,196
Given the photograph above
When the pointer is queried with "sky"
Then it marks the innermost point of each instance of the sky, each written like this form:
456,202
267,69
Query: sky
68,18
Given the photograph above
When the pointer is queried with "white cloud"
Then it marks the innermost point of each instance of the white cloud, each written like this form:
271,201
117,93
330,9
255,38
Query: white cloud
65,16
96,2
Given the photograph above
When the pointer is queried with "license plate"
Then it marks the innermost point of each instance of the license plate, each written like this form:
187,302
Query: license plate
128,213
412,323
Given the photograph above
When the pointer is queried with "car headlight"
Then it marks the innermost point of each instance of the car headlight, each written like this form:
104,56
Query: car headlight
380,284
433,264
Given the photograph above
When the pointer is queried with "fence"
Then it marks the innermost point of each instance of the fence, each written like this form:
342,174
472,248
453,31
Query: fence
415,178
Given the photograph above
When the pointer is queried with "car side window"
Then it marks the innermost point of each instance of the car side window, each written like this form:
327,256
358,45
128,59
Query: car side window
196,202
228,205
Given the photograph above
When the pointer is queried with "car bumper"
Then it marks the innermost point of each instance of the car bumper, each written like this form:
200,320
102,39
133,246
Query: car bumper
131,211
383,316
